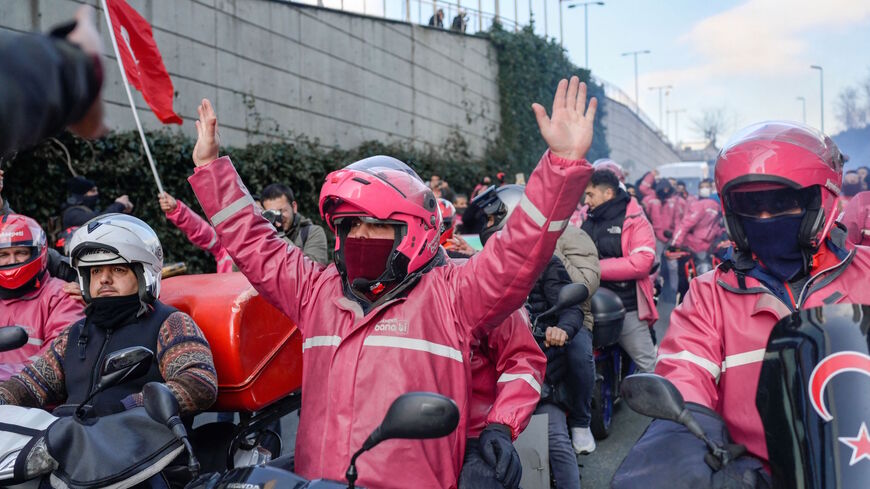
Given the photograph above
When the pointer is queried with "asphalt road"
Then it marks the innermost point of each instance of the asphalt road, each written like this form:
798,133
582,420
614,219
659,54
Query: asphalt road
597,468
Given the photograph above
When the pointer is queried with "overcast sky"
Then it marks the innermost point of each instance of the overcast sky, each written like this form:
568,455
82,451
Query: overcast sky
749,57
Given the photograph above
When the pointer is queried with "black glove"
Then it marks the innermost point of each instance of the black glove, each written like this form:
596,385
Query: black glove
668,234
557,364
498,451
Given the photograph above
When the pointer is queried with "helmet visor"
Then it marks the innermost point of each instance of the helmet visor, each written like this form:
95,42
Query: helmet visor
772,203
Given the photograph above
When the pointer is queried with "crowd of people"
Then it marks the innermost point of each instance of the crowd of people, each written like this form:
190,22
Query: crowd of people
468,316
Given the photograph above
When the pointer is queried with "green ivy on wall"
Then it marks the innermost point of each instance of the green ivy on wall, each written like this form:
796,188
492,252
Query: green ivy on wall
529,69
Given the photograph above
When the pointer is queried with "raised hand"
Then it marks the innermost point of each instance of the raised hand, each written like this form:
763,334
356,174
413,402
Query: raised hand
167,202
86,36
208,139
568,131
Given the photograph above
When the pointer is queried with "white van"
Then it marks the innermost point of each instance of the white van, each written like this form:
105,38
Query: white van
690,172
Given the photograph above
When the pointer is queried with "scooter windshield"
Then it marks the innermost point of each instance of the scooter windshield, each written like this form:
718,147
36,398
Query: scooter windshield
814,398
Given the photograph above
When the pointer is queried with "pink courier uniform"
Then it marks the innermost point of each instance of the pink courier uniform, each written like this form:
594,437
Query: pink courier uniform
699,227
201,234
507,370
856,218
44,313
356,364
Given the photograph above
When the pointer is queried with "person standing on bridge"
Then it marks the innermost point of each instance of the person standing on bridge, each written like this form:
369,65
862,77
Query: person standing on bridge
779,183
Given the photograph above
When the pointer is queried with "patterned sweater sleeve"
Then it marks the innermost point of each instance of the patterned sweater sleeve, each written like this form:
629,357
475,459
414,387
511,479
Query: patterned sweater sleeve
42,382
186,364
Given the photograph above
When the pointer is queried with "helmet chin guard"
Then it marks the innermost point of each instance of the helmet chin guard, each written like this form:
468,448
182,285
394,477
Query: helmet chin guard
384,189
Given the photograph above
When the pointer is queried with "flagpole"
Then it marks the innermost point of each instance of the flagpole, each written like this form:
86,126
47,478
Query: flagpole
130,98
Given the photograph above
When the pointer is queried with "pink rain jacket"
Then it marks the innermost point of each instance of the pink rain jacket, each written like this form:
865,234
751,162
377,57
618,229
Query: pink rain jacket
507,370
716,338
856,218
638,256
699,227
357,364
44,313
201,234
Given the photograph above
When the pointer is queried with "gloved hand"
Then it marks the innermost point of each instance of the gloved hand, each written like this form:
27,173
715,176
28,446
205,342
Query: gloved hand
498,451
557,364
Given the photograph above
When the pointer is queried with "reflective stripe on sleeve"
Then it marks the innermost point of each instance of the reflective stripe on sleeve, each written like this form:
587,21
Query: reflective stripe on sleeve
744,358
35,341
641,249
213,239
228,211
506,377
414,344
320,341
691,357
538,217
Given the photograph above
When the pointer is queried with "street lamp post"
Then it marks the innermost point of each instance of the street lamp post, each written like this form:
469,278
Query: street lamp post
661,88
636,95
821,92
804,105
585,24
677,113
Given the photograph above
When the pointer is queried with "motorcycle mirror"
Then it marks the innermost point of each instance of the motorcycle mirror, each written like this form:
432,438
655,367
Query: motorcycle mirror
12,338
653,395
417,415
123,365
160,403
119,367
413,415
569,295
162,406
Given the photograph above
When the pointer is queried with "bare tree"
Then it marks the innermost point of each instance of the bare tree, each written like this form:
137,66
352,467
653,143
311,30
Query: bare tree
712,123
849,109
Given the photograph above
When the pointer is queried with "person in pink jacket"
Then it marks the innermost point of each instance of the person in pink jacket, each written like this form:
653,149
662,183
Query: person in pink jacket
507,371
626,252
392,315
856,218
29,297
700,226
779,183
197,230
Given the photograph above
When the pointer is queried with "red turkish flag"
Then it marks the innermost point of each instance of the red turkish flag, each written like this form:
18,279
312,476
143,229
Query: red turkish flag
142,60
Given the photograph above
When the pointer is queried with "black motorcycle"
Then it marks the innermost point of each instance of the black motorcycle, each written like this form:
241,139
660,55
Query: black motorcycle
813,397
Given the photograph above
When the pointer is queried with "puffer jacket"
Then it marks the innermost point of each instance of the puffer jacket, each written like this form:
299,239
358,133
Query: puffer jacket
44,313
579,256
638,257
507,370
201,234
665,215
357,364
699,227
856,218
717,337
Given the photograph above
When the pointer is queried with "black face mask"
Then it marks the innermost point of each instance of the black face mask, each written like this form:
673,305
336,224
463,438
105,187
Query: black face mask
113,312
91,201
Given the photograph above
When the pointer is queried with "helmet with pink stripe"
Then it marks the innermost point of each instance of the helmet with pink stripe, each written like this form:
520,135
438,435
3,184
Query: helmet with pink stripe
779,154
384,189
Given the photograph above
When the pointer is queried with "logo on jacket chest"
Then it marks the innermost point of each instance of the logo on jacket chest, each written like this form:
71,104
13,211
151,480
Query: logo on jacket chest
397,326
614,230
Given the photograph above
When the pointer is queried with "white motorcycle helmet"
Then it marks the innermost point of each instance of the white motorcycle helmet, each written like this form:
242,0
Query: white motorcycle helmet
119,238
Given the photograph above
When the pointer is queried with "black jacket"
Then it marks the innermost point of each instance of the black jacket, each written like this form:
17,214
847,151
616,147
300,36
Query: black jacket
47,84
604,226
545,294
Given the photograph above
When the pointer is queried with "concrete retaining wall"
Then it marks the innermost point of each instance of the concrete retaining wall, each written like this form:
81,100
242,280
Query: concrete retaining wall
634,144
273,69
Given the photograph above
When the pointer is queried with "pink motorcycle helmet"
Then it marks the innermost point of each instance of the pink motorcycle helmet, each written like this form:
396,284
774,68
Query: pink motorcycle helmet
384,189
610,165
778,154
